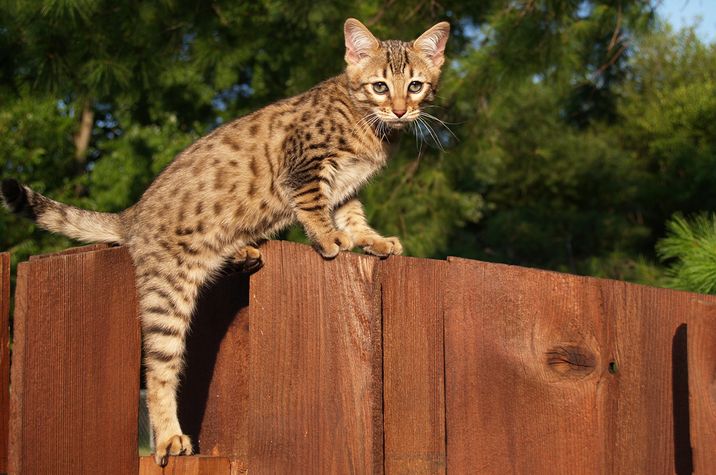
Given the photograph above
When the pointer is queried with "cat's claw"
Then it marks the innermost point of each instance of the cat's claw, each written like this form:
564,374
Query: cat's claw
179,444
383,246
332,243
248,259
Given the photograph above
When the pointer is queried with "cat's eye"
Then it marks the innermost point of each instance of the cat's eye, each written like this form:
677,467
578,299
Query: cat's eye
415,87
380,87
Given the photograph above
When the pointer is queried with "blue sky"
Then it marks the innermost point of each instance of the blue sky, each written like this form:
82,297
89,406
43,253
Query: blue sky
684,12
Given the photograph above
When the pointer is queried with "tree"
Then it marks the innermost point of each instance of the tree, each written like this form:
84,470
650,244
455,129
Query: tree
690,247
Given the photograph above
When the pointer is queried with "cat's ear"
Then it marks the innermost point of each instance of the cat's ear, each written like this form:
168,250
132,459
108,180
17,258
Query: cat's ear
432,43
360,42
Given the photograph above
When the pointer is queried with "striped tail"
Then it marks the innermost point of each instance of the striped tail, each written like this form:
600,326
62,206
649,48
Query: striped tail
80,224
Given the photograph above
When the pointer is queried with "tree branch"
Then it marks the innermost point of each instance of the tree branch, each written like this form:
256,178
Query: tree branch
84,134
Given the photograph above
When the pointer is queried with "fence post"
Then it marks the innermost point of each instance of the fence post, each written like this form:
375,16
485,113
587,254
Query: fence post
75,371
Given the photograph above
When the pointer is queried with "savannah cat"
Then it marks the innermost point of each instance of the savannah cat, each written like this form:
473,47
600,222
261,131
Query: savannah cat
302,158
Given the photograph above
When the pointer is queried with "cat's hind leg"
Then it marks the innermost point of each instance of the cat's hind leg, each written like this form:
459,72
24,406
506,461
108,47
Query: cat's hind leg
167,285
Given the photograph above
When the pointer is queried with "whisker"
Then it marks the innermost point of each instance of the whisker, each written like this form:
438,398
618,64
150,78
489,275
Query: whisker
432,133
429,116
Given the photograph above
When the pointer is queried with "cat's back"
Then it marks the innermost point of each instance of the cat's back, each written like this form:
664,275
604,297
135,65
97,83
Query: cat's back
248,164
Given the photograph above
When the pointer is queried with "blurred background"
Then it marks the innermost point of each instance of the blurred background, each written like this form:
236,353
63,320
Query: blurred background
578,135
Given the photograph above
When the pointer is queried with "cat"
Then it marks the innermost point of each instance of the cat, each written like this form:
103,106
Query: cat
300,159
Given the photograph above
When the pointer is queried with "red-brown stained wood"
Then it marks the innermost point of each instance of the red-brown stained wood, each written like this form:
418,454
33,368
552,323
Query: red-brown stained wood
647,405
4,357
72,250
75,371
413,365
194,465
524,357
702,384
239,467
213,401
584,370
544,372
314,386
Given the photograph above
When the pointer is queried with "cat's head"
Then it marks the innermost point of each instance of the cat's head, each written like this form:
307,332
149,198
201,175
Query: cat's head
393,78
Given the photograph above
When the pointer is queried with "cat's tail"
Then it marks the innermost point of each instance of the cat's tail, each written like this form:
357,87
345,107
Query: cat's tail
80,224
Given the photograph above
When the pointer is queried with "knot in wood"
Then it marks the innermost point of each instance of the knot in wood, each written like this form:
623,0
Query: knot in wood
571,360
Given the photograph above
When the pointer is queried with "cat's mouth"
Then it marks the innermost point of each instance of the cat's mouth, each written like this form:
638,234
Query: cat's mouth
398,123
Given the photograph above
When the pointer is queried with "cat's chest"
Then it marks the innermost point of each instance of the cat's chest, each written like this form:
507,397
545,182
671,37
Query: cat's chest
353,173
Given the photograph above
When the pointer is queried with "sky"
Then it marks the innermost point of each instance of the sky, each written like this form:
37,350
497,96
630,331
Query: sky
682,13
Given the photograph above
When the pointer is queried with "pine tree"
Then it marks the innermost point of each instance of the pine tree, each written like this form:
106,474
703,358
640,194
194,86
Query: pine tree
690,249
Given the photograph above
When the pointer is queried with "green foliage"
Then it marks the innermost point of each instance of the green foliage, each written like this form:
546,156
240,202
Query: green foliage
690,247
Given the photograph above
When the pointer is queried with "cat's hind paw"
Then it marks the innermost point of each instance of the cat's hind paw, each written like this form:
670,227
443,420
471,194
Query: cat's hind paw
178,444
248,260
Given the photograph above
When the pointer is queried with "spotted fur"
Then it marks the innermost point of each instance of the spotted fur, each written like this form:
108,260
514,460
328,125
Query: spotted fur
302,158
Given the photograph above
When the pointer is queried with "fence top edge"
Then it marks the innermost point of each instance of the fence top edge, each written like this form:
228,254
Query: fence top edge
629,286
451,260
72,250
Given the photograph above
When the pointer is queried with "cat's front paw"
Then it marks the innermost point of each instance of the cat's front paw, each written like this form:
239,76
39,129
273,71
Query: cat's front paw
329,245
178,444
383,246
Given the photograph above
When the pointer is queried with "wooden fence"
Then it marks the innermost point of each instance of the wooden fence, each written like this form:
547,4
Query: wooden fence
361,365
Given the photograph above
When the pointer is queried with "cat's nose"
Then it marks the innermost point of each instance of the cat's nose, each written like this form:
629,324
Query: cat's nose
399,113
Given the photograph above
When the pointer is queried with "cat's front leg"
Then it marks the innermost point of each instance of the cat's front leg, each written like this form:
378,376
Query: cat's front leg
351,218
313,212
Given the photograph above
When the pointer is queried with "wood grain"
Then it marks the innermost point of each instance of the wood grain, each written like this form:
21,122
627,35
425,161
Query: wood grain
194,465
239,467
586,370
649,392
525,361
75,372
314,386
4,357
702,384
213,402
413,365
72,250
358,365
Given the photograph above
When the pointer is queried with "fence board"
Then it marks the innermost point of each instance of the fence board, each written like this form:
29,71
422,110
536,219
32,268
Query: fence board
532,357
524,362
413,365
194,465
4,357
650,392
314,386
75,372
213,402
702,384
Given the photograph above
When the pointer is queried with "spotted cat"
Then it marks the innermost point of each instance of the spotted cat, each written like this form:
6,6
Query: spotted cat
300,159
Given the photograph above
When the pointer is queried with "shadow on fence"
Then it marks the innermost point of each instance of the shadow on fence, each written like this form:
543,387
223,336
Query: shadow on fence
361,365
